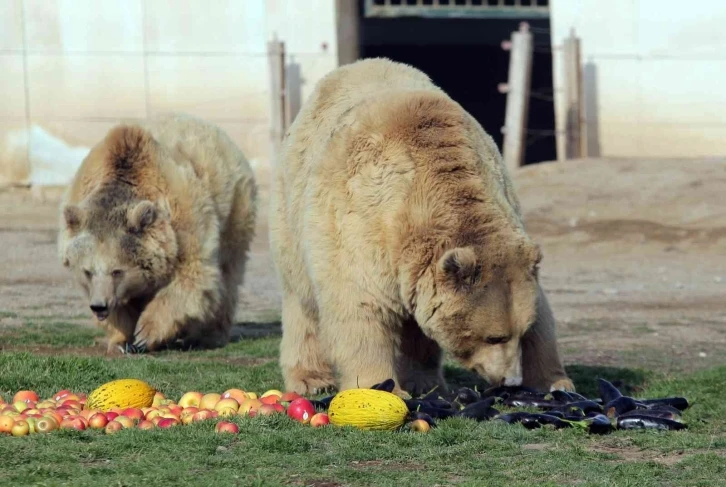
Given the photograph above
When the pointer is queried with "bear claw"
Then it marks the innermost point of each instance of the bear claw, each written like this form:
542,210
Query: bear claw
563,385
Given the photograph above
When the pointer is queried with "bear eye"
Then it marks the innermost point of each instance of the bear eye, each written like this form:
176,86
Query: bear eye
87,273
497,340
117,273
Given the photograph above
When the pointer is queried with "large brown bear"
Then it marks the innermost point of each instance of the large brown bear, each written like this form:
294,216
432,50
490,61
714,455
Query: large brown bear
156,226
396,233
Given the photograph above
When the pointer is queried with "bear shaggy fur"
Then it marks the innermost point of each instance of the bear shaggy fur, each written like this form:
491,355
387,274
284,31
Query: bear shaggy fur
396,233
156,226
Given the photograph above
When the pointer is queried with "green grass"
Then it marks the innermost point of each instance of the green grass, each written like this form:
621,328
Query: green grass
277,451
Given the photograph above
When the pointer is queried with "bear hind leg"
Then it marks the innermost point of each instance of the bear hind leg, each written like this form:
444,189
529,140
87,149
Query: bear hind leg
305,368
419,361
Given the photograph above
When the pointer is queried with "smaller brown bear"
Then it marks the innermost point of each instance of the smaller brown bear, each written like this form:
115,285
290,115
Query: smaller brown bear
156,226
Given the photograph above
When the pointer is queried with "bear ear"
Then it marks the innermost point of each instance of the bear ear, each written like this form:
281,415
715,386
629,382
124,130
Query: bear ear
534,256
141,216
460,266
73,216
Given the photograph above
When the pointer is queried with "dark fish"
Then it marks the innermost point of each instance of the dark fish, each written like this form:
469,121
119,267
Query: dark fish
654,413
466,396
562,396
437,413
577,397
387,385
512,418
584,406
599,425
480,410
506,391
680,403
639,421
622,404
523,401
536,420
608,392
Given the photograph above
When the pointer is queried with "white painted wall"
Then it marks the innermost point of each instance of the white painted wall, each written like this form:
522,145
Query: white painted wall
70,69
654,74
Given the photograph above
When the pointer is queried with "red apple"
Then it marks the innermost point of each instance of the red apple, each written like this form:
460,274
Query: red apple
228,403
135,414
31,425
20,428
72,403
75,423
26,396
268,409
45,425
189,410
20,406
6,424
61,394
167,423
201,415
301,410
145,425
289,396
158,397
53,415
111,415
226,427
237,394
125,421
47,404
249,405
192,398
98,421
271,399
113,427
319,419
209,400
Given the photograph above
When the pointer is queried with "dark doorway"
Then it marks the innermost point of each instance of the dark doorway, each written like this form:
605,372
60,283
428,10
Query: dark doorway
465,58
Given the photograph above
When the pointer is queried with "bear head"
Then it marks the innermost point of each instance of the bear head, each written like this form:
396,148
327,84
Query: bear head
482,301
121,253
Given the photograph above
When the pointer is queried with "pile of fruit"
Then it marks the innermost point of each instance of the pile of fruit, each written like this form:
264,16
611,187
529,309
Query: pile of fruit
132,403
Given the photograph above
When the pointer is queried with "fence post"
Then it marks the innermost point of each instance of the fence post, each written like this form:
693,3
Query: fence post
278,118
517,89
575,142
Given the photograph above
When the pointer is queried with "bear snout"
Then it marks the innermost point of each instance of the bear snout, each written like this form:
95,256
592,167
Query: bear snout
100,310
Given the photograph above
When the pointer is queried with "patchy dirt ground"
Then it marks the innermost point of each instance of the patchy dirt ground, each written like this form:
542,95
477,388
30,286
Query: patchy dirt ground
635,260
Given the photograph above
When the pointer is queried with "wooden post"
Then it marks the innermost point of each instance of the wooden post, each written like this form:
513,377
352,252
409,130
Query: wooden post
575,141
276,58
517,89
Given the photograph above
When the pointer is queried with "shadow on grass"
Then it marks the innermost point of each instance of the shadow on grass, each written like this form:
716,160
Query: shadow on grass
629,381
243,330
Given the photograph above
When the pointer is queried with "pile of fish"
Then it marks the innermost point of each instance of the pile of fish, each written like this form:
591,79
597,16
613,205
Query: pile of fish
558,409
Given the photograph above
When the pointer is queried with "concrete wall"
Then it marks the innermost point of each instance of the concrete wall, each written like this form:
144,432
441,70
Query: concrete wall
654,74
72,68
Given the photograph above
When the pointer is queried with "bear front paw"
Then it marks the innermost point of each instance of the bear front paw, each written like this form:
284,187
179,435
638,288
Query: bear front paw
308,383
563,385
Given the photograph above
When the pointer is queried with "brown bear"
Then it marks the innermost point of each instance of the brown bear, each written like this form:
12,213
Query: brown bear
396,234
156,226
